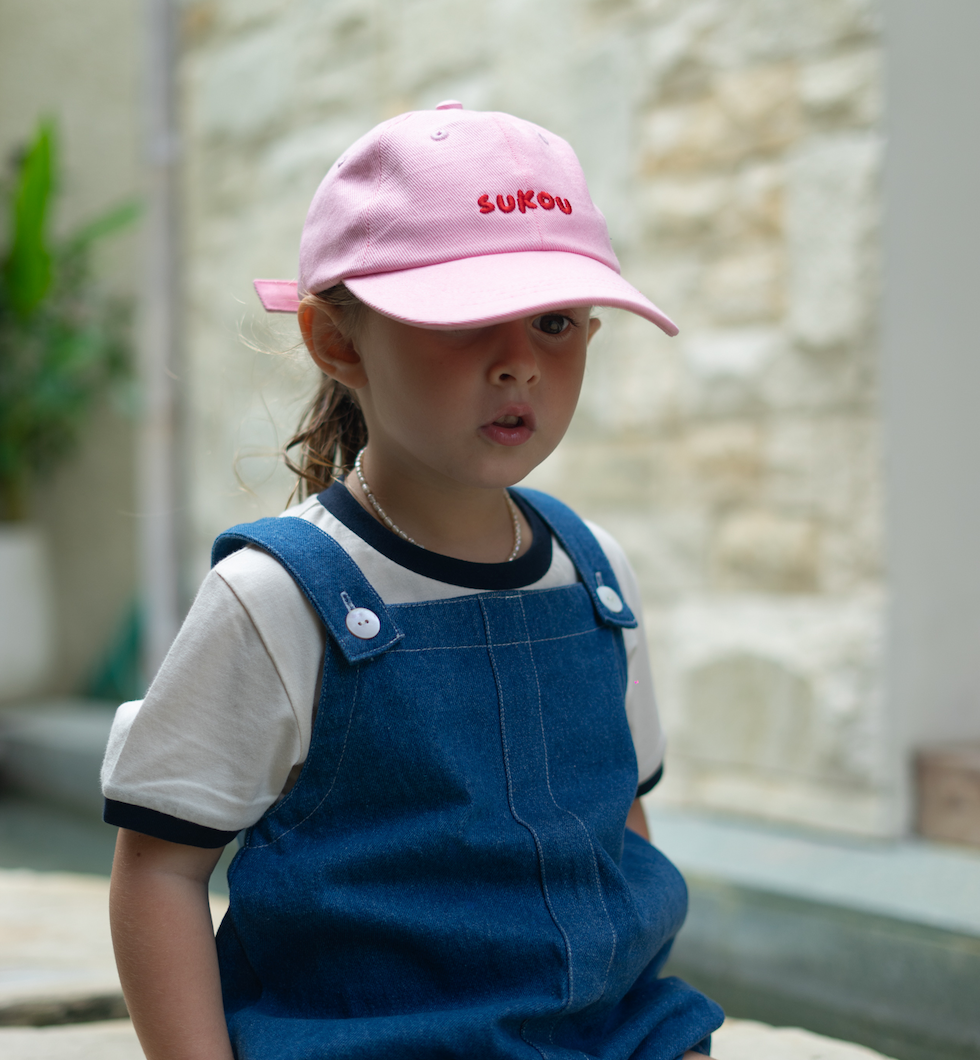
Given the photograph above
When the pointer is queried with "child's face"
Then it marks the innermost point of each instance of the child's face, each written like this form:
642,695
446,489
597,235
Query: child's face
480,407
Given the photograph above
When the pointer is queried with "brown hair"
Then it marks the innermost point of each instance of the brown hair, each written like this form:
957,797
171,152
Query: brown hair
332,430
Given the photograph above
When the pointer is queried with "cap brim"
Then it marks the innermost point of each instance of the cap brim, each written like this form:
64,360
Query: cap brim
496,287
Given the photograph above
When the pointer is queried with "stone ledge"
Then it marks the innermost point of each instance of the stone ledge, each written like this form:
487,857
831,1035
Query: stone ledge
116,1040
871,942
912,880
751,1040
56,961
112,1040
56,966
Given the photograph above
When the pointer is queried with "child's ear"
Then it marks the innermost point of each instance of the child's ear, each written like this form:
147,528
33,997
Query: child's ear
331,352
594,324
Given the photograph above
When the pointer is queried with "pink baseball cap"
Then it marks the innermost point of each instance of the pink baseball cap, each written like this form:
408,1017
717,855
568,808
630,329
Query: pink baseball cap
453,218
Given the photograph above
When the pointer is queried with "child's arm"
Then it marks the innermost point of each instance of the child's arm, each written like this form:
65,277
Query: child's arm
165,951
636,820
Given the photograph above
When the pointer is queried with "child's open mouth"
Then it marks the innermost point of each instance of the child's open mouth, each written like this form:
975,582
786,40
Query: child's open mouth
510,428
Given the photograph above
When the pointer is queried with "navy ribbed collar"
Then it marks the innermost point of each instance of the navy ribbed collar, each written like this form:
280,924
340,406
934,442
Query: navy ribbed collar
525,570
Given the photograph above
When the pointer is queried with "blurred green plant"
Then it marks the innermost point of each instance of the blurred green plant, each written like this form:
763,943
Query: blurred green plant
62,341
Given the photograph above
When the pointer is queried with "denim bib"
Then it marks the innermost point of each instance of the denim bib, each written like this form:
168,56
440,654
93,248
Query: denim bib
451,876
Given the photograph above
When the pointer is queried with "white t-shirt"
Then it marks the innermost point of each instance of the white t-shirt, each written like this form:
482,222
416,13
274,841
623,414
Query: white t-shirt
225,727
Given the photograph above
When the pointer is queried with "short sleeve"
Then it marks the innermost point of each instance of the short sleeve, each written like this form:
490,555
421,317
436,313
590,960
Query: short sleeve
221,729
641,700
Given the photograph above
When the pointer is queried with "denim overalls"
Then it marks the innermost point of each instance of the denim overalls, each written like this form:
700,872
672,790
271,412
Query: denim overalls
450,877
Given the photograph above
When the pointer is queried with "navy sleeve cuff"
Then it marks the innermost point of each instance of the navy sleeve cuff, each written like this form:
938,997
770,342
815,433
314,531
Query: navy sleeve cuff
163,826
651,783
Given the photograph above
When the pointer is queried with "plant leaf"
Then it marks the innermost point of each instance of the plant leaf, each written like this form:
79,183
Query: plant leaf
27,270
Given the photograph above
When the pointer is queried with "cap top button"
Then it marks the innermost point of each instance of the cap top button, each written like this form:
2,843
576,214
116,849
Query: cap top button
449,104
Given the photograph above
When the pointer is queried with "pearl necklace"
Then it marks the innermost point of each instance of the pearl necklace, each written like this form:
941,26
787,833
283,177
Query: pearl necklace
383,516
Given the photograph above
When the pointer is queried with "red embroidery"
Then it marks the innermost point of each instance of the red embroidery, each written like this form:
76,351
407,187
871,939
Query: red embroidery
525,201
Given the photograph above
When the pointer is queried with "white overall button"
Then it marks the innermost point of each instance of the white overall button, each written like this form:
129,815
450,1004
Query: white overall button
364,624
608,596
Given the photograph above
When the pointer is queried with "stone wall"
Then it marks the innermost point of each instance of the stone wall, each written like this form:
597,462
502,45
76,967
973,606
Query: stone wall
735,147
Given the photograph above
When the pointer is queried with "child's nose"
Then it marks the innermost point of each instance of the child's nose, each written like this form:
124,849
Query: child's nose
516,358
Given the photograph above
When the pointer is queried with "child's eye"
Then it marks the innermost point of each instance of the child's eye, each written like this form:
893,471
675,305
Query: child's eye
553,323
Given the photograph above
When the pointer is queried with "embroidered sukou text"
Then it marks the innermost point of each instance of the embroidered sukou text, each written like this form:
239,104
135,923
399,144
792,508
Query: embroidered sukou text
525,201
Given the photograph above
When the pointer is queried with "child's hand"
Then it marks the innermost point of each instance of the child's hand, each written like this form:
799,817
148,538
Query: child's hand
164,943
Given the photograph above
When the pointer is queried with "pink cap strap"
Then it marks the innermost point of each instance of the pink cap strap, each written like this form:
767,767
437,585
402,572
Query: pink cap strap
278,296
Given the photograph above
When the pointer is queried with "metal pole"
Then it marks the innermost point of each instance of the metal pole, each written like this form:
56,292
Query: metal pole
157,463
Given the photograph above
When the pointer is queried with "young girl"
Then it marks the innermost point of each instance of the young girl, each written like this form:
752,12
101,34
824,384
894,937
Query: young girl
423,695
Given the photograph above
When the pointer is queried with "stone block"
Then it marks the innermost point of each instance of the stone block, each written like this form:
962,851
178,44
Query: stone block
746,286
689,136
755,210
748,112
758,31
773,708
827,466
232,16
762,103
807,380
688,208
632,378
726,369
725,460
737,353
761,551
751,712
831,219
843,90
432,39
672,62
242,86
948,794
666,553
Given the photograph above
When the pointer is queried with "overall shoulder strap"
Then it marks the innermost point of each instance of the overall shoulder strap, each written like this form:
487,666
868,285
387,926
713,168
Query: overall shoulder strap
586,553
333,583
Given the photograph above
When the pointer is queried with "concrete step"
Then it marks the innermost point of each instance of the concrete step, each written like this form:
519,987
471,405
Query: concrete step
56,962
116,1040
872,942
112,1040
56,968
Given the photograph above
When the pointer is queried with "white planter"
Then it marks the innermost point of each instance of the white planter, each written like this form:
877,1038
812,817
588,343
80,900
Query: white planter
26,612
